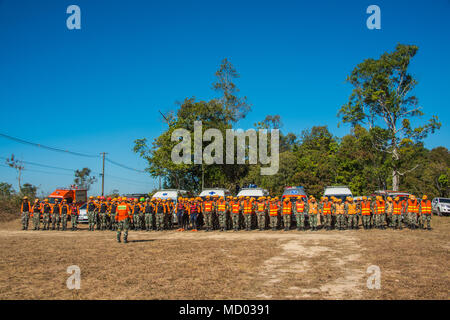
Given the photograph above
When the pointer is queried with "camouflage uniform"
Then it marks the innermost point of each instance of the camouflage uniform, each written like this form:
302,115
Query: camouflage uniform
91,207
300,215
221,207
149,210
46,216
56,216
261,211
64,212
287,217
313,213
160,212
123,225
112,216
25,214
36,210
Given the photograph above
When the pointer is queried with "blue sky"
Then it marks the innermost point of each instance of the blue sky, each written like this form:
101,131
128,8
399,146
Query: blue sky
99,88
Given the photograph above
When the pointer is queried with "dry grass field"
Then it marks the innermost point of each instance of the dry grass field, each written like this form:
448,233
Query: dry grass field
226,265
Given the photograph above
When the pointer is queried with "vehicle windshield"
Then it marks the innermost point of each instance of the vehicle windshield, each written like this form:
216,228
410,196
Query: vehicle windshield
83,206
442,200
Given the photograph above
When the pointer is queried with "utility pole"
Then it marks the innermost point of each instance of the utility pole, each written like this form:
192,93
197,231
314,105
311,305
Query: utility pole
103,173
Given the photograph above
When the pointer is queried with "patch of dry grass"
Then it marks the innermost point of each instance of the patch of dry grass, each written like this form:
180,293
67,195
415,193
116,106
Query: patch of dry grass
214,265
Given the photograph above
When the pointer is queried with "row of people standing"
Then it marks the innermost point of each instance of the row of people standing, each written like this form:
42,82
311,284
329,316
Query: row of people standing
53,216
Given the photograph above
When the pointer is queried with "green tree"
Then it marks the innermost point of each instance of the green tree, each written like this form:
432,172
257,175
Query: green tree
6,190
382,100
28,190
83,179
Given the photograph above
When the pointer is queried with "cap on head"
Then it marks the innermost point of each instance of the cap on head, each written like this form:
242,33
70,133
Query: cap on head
364,198
424,197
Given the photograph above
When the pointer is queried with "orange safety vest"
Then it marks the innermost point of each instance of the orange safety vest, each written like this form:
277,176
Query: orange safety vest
312,207
287,207
340,208
397,208
299,206
326,208
413,206
426,206
221,206
208,206
351,208
261,206
380,207
123,211
273,209
365,208
247,207
235,207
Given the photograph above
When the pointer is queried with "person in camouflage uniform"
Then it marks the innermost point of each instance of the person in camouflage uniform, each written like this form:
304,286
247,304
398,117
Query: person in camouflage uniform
325,209
352,211
412,209
425,212
207,211
74,212
25,210
366,208
247,209
286,210
379,212
339,212
222,207
123,219
46,211
65,211
389,211
235,207
261,211
97,216
103,212
149,210
300,210
36,210
160,213
90,208
313,212
56,212
274,208
112,214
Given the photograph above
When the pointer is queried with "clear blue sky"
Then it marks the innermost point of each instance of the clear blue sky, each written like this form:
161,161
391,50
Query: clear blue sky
99,88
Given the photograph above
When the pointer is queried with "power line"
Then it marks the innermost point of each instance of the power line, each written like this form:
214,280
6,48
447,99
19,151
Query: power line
124,166
47,147
67,152
67,169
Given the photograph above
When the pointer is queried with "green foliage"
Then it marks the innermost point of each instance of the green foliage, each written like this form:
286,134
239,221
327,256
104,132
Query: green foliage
28,190
6,190
83,179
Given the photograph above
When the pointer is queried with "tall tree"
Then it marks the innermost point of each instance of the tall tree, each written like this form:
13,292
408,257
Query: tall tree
382,100
16,164
83,179
235,107
28,190
6,189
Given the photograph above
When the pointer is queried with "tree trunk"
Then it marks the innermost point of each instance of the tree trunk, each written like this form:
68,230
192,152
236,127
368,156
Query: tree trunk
395,174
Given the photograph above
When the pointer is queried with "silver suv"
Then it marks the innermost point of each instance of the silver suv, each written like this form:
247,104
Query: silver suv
440,206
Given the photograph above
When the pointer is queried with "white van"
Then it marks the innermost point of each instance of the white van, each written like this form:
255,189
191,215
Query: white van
253,192
215,192
173,194
340,192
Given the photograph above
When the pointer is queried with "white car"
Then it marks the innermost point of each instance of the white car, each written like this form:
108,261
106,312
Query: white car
82,216
340,192
440,206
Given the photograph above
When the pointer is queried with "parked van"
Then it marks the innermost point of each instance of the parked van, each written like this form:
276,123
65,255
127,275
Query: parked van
172,194
294,192
253,192
215,192
340,192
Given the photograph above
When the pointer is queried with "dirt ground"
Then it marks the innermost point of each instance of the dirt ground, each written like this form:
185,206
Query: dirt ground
226,265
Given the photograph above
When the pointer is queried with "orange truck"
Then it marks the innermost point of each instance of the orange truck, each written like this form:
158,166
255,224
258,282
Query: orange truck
72,195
